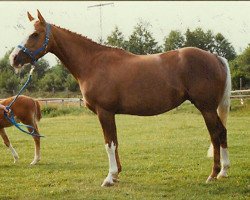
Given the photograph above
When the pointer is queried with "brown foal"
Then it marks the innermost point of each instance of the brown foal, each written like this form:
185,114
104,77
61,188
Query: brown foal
113,81
26,110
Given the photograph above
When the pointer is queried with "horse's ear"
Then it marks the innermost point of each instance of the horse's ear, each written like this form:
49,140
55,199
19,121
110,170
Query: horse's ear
40,17
30,17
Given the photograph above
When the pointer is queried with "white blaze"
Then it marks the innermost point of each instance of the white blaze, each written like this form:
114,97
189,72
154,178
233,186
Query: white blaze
28,31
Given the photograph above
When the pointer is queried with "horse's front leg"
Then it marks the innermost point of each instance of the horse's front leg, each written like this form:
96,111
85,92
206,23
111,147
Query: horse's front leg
107,121
8,144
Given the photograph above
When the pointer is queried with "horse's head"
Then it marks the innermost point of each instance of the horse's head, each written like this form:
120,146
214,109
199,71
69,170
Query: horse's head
35,45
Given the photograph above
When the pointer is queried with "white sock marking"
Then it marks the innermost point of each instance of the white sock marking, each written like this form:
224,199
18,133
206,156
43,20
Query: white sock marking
14,153
225,163
113,169
224,157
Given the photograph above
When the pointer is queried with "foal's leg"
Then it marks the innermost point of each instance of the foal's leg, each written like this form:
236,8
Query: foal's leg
30,120
37,156
107,121
218,136
8,144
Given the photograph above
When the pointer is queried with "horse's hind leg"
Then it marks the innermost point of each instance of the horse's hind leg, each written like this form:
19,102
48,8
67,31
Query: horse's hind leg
218,138
223,111
8,144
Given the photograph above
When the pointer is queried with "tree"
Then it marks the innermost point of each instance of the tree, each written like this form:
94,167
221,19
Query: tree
210,42
72,84
116,38
51,82
39,72
9,81
223,47
240,68
198,38
174,40
55,78
141,40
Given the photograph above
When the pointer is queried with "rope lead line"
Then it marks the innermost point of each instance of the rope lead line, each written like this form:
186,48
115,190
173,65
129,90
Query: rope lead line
11,118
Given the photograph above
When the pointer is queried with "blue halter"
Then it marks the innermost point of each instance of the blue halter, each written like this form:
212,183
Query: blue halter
33,54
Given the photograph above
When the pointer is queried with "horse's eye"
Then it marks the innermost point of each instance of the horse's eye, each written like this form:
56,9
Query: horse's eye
34,35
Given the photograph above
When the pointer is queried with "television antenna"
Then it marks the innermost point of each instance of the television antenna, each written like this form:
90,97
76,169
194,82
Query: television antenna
100,5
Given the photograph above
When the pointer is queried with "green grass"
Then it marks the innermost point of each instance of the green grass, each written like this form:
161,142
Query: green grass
163,157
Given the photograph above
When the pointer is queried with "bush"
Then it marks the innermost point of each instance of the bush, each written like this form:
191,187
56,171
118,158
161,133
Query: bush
58,110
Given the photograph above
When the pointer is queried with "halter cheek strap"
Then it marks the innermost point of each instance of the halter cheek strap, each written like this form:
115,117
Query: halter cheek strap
33,54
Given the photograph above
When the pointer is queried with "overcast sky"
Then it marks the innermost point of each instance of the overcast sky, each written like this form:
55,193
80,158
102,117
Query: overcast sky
232,19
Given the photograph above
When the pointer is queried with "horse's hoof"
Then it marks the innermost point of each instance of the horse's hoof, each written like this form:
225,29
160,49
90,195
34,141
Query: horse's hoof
107,183
35,161
16,157
222,174
211,179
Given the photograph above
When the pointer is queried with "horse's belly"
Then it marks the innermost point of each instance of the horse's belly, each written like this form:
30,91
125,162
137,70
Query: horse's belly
151,105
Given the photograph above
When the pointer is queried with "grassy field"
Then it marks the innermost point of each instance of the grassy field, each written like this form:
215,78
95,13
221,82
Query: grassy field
163,157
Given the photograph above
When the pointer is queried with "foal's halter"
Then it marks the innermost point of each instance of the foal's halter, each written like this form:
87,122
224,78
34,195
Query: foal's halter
11,118
33,54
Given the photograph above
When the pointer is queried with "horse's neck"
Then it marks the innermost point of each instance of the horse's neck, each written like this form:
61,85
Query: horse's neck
75,52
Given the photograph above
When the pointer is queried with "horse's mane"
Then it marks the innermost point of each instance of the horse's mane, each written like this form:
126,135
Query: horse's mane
85,38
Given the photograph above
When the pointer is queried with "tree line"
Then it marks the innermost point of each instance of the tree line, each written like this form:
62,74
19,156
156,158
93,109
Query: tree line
141,41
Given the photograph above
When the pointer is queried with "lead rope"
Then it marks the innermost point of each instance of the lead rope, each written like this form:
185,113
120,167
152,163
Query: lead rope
10,116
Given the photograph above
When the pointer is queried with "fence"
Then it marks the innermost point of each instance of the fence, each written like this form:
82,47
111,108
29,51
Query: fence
240,94
237,94
62,101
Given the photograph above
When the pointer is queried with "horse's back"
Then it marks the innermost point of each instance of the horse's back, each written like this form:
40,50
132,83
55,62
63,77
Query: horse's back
24,109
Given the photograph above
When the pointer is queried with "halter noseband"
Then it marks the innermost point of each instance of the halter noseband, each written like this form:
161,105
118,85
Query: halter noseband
33,54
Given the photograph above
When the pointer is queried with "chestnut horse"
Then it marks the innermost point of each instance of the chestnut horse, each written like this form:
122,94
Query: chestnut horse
113,81
26,110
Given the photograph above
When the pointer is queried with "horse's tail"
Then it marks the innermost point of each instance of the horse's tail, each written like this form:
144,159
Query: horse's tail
38,111
224,106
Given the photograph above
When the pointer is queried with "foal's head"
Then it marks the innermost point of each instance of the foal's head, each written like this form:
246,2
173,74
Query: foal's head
35,45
